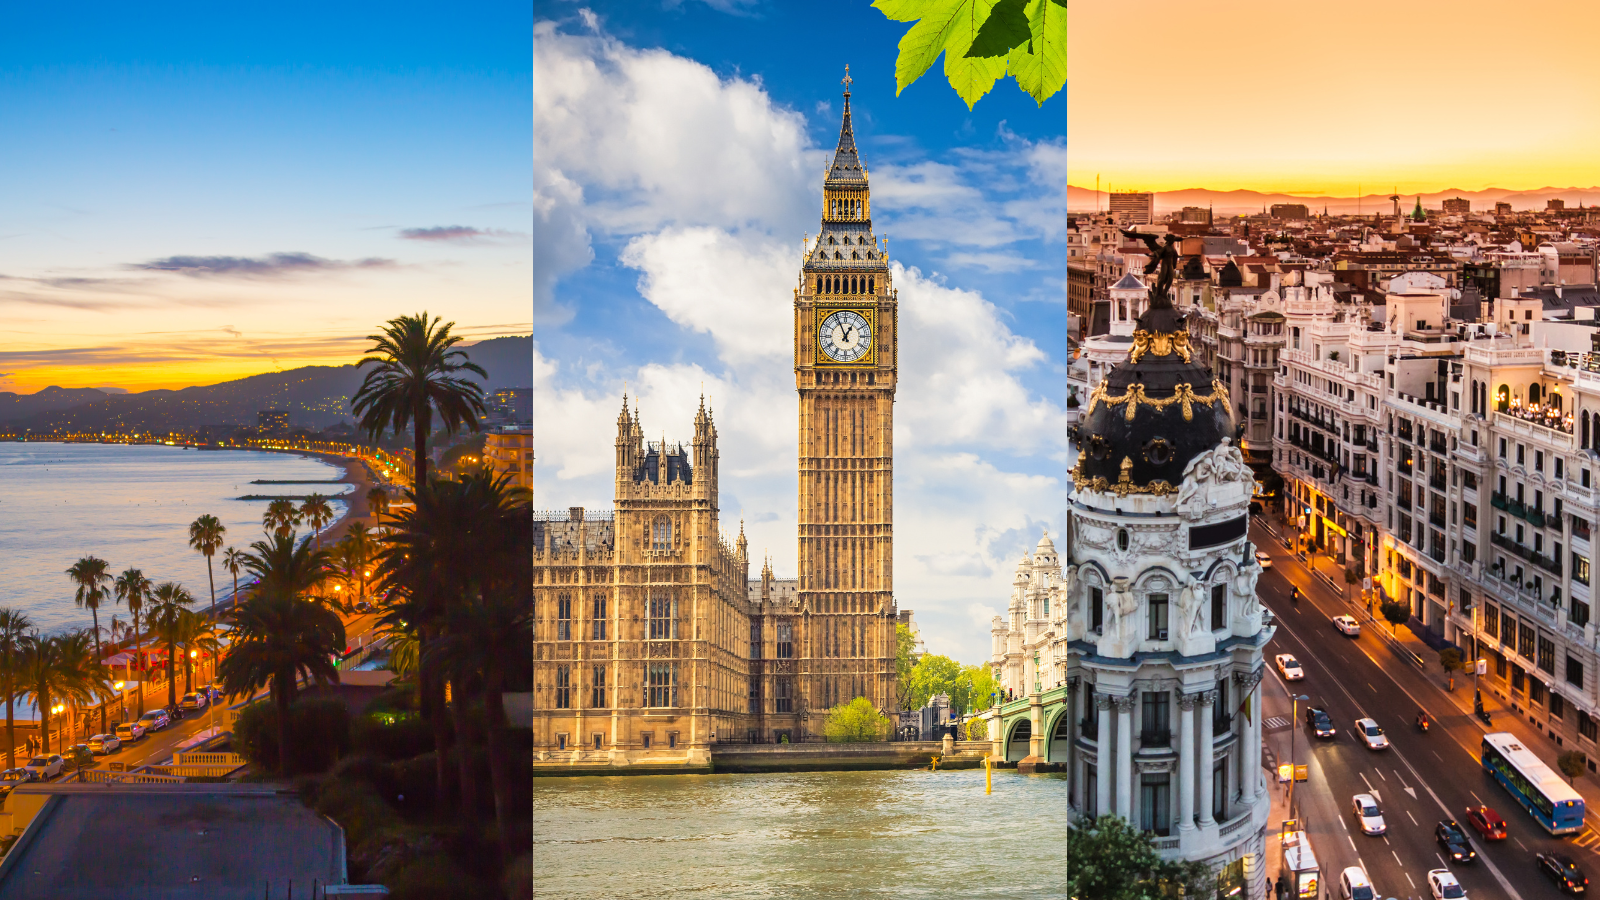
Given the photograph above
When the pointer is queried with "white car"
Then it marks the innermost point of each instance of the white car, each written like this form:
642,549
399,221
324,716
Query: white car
1355,885
101,744
46,766
1444,885
1263,560
1365,807
1289,667
1371,734
1347,625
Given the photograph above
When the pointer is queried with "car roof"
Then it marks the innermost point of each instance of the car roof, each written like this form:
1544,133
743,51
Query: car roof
1444,876
1365,796
1366,721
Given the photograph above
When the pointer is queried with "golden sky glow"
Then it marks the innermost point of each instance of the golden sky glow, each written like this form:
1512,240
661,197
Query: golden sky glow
1319,98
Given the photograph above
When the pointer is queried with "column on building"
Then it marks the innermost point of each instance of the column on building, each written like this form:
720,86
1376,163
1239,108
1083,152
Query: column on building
1125,756
1186,774
1250,767
1208,760
1103,765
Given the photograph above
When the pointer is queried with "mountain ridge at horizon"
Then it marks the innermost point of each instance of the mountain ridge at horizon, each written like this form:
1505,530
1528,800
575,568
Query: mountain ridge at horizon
1080,199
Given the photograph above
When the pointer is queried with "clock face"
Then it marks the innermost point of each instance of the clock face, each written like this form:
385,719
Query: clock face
845,336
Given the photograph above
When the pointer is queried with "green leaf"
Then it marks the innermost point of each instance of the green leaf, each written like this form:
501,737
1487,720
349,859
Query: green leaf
972,77
904,10
1006,27
926,40
1040,68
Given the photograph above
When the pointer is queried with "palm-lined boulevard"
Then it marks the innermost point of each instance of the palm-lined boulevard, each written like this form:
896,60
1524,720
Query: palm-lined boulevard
447,572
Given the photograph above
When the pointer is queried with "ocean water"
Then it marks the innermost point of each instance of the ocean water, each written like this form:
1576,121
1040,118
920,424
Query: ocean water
131,506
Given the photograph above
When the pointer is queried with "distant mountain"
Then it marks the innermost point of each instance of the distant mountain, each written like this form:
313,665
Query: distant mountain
317,397
1243,201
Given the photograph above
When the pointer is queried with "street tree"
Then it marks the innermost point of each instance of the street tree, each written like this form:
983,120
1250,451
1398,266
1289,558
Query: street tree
1450,660
169,600
1395,613
317,512
134,589
1572,764
1109,859
205,536
855,722
905,660
983,41
974,690
91,576
931,676
14,625
280,518
233,561
278,637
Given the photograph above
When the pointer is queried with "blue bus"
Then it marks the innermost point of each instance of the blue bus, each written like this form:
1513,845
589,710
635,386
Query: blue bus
1544,794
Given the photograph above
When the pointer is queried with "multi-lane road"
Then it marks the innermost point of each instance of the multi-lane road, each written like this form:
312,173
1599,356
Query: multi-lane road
1420,780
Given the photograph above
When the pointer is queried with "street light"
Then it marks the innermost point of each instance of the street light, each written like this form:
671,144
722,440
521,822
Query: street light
1293,769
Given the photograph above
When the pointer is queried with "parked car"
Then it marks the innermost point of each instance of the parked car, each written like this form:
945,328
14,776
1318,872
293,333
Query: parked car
128,732
1368,816
196,701
1347,625
1320,724
1453,841
1560,868
44,767
155,720
1444,886
213,693
1355,885
10,778
1487,823
80,757
1289,667
1263,560
101,744
1371,734
363,606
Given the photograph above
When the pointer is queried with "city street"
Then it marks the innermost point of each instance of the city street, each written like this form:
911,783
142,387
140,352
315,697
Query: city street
1421,779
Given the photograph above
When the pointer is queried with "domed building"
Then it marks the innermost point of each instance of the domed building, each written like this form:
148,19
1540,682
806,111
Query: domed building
1133,663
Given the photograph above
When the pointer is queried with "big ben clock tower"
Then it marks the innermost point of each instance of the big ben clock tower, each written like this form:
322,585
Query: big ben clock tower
845,363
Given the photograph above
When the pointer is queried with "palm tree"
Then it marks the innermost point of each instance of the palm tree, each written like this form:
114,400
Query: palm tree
192,635
403,649
378,500
134,589
285,565
316,512
459,536
205,536
359,552
56,668
171,600
276,638
14,625
281,517
87,676
90,575
417,375
233,561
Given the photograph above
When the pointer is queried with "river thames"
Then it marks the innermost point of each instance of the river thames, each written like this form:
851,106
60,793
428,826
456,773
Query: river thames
812,835
129,505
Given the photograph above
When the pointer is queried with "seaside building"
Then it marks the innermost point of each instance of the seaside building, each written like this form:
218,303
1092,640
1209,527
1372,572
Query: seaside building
1127,661
509,451
273,421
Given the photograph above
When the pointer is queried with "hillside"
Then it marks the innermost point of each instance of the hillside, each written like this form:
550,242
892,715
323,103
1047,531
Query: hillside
316,397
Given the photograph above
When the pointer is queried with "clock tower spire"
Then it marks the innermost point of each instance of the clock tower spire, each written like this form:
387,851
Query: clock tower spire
846,364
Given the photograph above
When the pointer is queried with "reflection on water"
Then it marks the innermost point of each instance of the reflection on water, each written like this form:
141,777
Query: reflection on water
832,834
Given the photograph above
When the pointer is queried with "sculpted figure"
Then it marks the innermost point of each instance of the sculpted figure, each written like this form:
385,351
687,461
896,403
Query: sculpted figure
1190,609
1245,584
1123,606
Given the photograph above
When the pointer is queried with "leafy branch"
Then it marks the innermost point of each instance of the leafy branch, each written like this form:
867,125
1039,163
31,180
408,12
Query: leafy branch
983,41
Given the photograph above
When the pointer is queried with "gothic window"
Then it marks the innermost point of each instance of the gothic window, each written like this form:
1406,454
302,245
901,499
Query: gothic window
563,687
564,617
784,702
661,534
871,281
855,254
599,617
663,685
785,640
661,617
597,694
838,255
831,240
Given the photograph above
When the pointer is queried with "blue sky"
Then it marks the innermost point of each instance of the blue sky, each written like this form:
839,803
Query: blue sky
137,134
678,152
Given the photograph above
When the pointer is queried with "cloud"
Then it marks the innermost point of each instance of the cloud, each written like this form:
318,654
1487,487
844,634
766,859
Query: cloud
462,234
271,265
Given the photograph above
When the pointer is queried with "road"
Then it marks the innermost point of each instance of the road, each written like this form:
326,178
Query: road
1420,780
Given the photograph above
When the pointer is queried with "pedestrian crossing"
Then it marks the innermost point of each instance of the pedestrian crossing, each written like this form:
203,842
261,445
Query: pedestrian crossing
1275,722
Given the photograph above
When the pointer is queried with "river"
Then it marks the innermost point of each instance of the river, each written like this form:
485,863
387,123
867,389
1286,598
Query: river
131,506
814,835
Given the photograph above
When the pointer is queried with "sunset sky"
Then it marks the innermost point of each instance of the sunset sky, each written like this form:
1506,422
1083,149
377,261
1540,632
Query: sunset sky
1318,98
194,192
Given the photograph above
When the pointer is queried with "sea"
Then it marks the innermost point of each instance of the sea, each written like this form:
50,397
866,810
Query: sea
131,505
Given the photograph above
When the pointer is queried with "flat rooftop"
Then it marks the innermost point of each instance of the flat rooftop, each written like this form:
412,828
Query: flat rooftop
197,841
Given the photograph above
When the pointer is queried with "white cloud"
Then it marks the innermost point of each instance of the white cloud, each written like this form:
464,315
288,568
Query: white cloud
560,243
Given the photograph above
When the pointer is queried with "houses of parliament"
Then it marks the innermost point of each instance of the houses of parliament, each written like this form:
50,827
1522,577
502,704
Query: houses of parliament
652,642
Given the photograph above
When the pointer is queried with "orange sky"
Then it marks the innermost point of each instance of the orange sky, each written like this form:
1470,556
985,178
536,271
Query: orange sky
1321,97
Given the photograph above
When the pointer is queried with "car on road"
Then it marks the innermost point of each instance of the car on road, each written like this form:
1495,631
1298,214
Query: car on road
1263,560
1289,667
1320,723
1560,868
1487,823
155,720
1347,626
1453,841
1444,886
46,766
1367,814
1355,885
128,732
1371,734
195,701
212,693
10,778
363,606
101,744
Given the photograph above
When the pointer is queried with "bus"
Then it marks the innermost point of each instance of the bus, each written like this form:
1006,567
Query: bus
1544,794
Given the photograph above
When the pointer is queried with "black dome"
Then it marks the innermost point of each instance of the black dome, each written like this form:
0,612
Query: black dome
1154,412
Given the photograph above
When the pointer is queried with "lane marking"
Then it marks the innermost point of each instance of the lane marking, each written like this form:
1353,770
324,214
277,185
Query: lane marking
1352,843
1477,798
1380,774
1413,819
1370,788
1397,859
1521,844
1413,883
